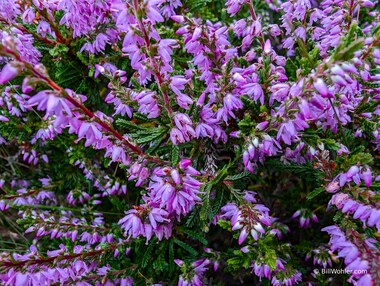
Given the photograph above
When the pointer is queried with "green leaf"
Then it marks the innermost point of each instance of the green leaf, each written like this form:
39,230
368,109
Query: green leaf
337,217
193,218
68,76
159,264
347,53
171,256
331,144
205,210
218,202
186,247
175,155
154,134
156,144
140,117
147,254
306,169
315,193
221,175
238,176
128,124
224,224
375,186
58,49
195,235
271,259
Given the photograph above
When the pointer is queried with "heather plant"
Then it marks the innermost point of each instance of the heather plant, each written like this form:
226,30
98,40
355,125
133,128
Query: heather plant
202,142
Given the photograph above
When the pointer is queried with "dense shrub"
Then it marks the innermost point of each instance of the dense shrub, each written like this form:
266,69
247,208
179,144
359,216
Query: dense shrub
161,142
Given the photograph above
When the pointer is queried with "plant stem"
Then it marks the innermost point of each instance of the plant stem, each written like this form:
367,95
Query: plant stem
43,260
153,60
134,148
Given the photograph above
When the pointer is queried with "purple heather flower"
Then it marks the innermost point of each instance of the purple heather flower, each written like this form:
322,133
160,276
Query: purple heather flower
322,89
231,103
274,30
132,224
367,177
248,219
262,270
286,277
352,172
178,18
279,92
44,28
233,6
49,101
347,250
255,91
176,136
3,205
184,131
194,273
8,73
146,221
267,47
333,187
300,32
262,125
4,119
321,257
305,217
184,163
147,103
177,84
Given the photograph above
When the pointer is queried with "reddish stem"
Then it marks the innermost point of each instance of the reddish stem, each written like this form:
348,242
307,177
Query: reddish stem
25,30
72,225
42,260
254,18
20,195
134,148
153,60
61,39
368,52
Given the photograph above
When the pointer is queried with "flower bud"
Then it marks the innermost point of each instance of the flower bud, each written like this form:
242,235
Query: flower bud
8,73
333,187
262,125
321,87
3,118
267,47
352,172
367,177
26,87
178,18
274,30
183,164
100,69
175,176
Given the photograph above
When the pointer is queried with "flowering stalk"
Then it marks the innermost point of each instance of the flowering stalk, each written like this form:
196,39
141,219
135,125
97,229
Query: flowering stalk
85,110
44,260
154,63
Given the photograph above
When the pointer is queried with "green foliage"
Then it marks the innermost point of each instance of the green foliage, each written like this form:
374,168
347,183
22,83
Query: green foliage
175,155
186,247
306,171
316,192
349,45
359,157
239,176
